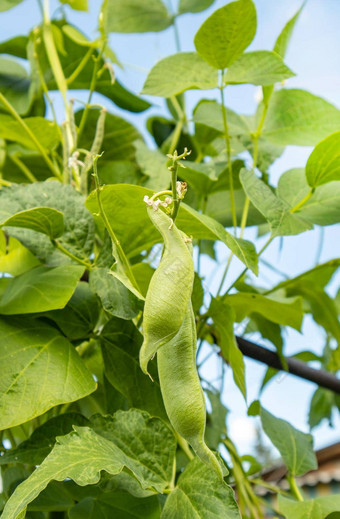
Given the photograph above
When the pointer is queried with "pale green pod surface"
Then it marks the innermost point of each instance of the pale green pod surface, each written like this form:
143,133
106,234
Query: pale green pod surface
169,290
181,389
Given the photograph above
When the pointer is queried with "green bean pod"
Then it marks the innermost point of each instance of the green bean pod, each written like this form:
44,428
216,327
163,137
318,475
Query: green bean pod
181,389
169,291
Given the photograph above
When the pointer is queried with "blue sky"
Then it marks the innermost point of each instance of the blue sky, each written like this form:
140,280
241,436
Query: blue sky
314,56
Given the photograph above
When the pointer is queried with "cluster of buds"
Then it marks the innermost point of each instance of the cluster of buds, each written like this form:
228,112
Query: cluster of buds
156,203
175,158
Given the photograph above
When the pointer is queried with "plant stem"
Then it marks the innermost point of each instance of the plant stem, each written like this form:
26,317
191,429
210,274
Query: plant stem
302,202
62,249
31,135
184,446
80,67
294,487
5,182
118,251
228,149
176,136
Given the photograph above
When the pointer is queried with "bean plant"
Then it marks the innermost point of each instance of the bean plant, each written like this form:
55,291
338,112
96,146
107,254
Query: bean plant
103,298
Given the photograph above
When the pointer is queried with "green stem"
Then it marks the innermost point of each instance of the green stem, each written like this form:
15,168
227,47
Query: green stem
184,446
11,438
176,136
118,251
224,274
228,149
5,182
28,174
302,202
294,487
62,249
31,135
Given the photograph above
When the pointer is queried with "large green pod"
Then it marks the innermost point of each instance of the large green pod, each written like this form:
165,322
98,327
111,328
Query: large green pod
169,291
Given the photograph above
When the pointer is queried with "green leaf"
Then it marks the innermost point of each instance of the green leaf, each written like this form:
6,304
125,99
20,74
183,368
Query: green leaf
42,370
281,310
119,136
15,46
223,316
136,233
276,211
79,5
15,85
323,164
34,450
116,299
299,118
151,456
80,315
45,131
224,36
317,508
41,219
121,343
295,447
187,71
153,164
15,259
78,237
8,4
193,6
321,407
40,289
216,420
136,16
116,504
261,67
321,209
200,494
209,113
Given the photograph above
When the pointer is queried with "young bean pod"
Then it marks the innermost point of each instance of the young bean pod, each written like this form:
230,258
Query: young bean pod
169,291
181,389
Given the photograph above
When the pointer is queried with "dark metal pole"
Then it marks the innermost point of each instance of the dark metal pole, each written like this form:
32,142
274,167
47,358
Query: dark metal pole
295,367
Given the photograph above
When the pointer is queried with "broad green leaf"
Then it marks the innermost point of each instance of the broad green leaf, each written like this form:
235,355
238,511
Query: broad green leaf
200,494
216,421
15,46
40,369
153,164
323,164
78,237
8,4
136,16
119,136
224,36
321,407
275,210
286,311
116,299
151,456
15,259
300,118
15,85
295,447
318,508
116,504
187,71
209,113
219,208
40,219
45,131
79,5
193,6
87,454
78,319
118,172
223,316
40,289
34,450
318,276
261,67
321,209
121,342
136,233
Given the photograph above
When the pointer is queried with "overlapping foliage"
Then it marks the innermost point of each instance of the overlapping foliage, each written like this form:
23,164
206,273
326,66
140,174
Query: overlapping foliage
77,254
